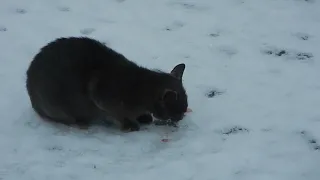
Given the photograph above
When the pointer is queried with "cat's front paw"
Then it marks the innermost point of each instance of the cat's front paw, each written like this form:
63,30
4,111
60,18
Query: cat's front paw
130,126
145,119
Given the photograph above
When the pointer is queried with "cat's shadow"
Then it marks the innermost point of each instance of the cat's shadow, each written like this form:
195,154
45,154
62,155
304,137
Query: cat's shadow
33,122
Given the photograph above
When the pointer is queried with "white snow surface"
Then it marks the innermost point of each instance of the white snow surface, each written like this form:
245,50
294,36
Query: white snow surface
260,56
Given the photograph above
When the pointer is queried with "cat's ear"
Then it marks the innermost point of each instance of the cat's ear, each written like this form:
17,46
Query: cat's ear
169,95
178,70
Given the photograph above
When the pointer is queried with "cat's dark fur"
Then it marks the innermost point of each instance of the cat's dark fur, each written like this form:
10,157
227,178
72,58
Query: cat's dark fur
75,80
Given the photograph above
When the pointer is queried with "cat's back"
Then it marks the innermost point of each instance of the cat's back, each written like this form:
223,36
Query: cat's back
69,52
73,57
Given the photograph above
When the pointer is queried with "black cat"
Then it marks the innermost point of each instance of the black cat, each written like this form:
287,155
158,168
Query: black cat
75,80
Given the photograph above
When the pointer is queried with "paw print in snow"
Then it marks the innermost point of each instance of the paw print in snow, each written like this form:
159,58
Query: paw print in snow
64,9
188,6
55,148
290,54
235,130
309,1
21,11
276,52
87,31
214,34
304,56
303,36
228,50
213,92
3,29
311,140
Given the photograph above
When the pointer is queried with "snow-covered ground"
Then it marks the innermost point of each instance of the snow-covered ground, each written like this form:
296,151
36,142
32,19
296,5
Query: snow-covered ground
252,76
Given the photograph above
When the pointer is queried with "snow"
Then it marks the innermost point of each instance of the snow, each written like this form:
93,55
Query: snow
252,76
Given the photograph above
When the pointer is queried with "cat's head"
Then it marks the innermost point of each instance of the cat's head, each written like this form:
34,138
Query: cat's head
173,101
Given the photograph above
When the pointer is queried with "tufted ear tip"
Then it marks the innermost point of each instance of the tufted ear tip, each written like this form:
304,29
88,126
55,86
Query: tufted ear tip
178,70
